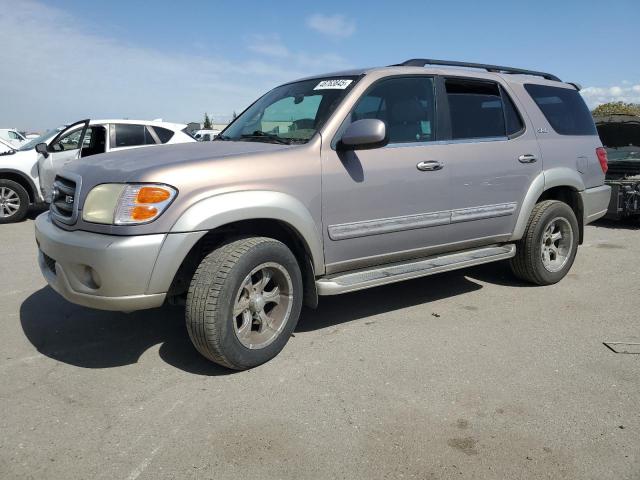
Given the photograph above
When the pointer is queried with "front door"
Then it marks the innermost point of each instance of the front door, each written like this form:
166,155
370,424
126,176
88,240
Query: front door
63,148
388,203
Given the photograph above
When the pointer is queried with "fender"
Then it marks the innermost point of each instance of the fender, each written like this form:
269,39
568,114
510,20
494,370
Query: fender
554,177
34,191
219,210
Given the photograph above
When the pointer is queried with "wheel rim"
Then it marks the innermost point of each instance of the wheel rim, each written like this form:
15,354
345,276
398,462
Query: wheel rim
263,305
557,244
9,202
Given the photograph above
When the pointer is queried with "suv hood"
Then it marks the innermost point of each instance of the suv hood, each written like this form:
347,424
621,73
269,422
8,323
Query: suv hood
135,164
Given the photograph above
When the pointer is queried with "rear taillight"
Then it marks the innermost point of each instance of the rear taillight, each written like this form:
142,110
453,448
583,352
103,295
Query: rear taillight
602,158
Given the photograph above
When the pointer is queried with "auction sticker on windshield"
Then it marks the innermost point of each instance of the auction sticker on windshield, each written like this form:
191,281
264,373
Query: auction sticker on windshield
337,84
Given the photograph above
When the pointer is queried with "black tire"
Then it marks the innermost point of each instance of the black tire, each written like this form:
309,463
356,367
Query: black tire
13,190
212,295
528,263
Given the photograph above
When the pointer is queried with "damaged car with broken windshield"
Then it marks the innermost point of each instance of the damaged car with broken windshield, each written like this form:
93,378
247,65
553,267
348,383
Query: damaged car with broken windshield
620,135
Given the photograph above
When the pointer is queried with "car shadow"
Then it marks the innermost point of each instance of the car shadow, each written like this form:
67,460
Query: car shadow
98,339
340,309
34,211
497,273
632,223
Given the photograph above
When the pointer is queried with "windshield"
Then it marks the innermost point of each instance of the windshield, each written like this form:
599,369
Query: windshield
291,113
41,139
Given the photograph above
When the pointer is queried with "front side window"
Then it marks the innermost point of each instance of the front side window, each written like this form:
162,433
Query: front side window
406,105
69,141
130,135
291,113
563,108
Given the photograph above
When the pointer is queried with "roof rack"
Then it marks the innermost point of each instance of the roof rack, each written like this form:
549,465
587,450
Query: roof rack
421,62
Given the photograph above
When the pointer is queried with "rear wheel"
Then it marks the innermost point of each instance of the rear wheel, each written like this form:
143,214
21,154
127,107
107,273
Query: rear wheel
548,248
14,201
244,302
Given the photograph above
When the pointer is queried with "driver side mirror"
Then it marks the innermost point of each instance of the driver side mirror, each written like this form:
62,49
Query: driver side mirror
363,135
42,148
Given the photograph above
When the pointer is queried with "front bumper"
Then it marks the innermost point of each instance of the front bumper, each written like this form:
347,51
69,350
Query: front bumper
595,202
106,272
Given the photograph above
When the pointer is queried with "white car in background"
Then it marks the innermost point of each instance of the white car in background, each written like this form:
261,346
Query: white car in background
205,135
6,148
28,174
12,136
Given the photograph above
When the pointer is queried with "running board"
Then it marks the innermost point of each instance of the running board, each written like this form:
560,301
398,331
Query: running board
396,272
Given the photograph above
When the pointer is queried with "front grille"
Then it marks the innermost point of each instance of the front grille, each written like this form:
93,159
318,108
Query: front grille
63,199
49,262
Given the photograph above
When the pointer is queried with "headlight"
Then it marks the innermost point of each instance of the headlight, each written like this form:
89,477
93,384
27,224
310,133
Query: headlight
126,204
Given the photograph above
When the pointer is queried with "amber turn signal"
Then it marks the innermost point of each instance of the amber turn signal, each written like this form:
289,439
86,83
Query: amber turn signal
152,195
143,212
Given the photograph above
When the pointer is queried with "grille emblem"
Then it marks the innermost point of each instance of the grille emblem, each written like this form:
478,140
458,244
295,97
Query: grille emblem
68,199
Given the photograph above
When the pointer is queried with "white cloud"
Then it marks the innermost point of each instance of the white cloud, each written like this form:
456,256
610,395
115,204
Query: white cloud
56,73
335,26
270,45
627,92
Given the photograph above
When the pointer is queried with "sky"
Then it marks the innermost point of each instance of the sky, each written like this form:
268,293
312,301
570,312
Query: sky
65,60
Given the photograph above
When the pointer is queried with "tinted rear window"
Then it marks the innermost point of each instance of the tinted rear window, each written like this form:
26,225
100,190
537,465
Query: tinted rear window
128,135
564,109
480,109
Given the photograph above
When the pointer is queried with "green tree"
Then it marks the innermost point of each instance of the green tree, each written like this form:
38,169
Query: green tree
207,122
617,108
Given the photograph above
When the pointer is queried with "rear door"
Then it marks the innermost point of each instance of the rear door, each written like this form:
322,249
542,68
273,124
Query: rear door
492,156
62,149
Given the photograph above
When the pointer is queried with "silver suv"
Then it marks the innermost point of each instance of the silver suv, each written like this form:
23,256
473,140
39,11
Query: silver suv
328,185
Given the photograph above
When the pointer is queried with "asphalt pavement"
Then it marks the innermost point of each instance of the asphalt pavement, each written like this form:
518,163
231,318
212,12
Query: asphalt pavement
470,374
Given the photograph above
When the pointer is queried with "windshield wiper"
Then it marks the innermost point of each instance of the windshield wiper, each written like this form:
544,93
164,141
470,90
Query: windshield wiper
260,135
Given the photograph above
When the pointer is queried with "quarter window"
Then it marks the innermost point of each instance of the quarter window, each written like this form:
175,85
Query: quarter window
164,134
130,135
406,105
564,109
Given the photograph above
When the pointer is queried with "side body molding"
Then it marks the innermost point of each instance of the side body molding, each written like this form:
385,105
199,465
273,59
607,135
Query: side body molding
554,177
219,210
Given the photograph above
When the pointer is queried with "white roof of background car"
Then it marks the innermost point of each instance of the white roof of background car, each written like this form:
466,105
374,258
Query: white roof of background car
175,126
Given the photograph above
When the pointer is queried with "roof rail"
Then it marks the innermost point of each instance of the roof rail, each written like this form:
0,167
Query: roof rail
421,62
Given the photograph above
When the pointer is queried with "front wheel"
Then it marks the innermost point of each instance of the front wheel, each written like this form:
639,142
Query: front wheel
14,201
244,302
548,248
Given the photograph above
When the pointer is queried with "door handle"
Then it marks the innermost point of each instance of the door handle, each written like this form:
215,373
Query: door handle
527,158
430,166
